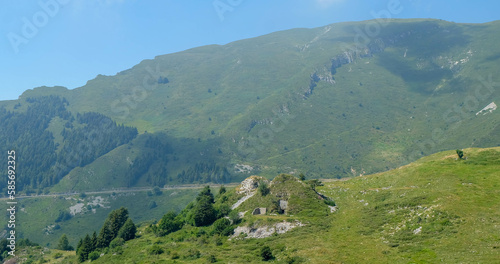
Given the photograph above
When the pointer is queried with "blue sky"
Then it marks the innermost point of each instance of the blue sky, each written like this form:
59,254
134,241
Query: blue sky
68,42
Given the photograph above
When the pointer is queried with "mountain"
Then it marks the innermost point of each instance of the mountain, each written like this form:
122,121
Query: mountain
437,209
330,102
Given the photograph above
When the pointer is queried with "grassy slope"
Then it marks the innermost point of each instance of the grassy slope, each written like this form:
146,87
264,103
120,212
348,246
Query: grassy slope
36,219
452,202
383,111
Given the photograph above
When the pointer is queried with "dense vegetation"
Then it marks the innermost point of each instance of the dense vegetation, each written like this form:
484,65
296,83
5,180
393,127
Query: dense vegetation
152,164
117,229
93,136
26,133
45,160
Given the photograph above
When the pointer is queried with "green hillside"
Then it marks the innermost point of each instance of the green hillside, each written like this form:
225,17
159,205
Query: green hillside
329,102
437,209
75,215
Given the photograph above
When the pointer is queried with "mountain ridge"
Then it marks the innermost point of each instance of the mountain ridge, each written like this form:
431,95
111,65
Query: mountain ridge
308,100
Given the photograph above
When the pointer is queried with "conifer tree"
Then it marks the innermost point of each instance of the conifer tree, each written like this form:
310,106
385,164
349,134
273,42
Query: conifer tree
93,240
128,230
85,249
109,231
64,243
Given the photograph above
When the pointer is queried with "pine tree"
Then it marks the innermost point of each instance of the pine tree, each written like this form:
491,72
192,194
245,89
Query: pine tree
93,240
118,218
79,245
85,249
128,230
109,231
105,236
64,243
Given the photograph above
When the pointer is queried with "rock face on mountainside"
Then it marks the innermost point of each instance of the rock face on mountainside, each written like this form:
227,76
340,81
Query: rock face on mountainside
265,231
329,101
250,184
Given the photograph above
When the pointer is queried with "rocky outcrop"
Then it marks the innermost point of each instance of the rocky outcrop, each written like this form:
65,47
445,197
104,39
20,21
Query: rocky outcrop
250,184
278,114
248,187
313,82
265,231
375,46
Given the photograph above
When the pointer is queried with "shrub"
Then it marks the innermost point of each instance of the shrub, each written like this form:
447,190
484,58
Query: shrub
155,250
193,254
218,241
211,259
266,253
263,189
293,259
94,255
169,224
223,210
314,183
330,202
234,216
117,242
222,227
157,191
302,177
117,250
63,216
204,213
152,205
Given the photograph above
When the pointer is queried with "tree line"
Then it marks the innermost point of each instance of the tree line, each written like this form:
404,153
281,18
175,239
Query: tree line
44,162
203,172
117,229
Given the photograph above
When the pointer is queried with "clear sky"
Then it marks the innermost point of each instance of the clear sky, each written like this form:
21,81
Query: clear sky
68,42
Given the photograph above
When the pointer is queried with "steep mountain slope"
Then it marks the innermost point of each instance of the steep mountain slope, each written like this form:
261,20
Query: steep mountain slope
336,101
